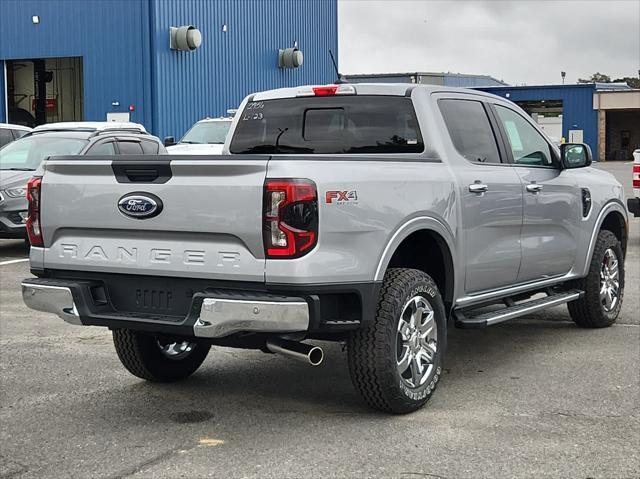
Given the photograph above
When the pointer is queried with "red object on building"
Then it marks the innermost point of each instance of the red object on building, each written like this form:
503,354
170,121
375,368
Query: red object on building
132,108
50,104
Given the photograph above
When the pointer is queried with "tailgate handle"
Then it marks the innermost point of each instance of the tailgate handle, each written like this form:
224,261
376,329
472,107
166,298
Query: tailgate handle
141,172
142,176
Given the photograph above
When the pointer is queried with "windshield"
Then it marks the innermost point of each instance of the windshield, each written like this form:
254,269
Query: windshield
207,132
328,125
27,153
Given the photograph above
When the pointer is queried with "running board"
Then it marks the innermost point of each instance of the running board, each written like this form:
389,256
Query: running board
493,317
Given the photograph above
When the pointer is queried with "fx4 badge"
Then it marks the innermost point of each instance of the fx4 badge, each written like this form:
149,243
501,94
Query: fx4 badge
341,197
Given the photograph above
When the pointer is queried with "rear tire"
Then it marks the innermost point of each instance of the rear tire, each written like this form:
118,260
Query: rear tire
395,363
603,287
156,359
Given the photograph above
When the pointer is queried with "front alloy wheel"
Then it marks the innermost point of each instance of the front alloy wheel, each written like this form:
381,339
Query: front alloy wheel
603,286
609,281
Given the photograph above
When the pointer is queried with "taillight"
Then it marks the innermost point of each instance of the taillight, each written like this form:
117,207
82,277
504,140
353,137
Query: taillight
34,228
290,218
636,175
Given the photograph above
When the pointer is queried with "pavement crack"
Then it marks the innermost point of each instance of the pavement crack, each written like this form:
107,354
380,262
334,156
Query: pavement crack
145,464
422,474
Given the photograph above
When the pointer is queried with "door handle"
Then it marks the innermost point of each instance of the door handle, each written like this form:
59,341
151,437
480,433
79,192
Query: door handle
534,187
478,187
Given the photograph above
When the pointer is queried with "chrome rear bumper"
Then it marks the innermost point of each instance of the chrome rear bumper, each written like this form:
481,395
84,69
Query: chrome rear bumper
213,317
51,299
221,317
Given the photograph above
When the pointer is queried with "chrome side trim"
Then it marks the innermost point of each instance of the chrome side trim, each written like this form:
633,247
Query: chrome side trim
510,291
222,317
51,299
498,318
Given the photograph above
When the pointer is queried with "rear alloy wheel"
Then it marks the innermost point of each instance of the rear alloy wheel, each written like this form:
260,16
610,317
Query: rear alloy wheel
603,287
396,362
158,359
416,342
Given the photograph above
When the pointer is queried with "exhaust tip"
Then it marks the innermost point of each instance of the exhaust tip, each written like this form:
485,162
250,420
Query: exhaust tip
316,355
306,353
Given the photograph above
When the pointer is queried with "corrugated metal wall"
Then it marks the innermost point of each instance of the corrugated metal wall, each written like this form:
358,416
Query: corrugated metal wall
577,106
470,81
229,65
3,100
111,36
124,45
383,78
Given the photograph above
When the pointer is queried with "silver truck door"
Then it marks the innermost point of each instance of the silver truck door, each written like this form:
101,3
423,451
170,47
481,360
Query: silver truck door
491,195
552,199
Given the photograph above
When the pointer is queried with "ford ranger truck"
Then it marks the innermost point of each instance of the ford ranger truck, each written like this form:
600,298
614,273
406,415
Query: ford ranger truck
371,214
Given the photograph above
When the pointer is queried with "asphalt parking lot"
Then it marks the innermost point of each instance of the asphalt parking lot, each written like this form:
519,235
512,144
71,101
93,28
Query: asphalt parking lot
536,397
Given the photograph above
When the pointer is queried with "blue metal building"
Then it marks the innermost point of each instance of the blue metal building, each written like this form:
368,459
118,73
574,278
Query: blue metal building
461,80
100,57
574,102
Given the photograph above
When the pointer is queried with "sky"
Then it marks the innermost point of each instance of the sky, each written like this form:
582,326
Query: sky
518,41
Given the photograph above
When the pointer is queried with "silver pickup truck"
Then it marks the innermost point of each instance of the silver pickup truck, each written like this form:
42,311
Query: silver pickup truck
370,214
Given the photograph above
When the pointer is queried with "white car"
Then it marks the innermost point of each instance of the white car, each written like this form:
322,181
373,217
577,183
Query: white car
206,137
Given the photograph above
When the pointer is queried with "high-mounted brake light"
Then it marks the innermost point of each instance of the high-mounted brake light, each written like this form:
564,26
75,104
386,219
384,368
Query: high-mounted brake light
34,228
327,90
290,227
636,176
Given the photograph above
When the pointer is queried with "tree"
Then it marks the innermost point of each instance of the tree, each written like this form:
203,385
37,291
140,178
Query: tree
631,81
596,78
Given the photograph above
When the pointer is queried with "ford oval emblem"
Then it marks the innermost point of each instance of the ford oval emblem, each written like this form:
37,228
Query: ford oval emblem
140,205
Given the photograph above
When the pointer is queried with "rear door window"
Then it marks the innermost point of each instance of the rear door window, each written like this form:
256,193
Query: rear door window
19,133
149,147
5,137
129,147
470,130
105,148
328,125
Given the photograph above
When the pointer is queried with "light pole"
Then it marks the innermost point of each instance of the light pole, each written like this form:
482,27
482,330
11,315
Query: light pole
563,74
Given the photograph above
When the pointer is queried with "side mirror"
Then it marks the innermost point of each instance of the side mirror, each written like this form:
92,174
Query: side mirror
575,155
169,141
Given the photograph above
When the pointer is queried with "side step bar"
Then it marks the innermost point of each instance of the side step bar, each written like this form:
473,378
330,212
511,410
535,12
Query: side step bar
493,317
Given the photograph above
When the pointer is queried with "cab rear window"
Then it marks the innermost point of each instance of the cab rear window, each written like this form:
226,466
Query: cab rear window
328,125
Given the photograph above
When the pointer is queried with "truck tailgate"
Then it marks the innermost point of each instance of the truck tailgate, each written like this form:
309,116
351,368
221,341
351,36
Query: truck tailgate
209,225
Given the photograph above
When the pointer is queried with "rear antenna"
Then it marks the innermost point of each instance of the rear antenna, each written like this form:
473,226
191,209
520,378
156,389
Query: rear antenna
335,66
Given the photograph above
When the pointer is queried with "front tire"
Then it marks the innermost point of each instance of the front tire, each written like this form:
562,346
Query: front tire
603,287
158,359
396,362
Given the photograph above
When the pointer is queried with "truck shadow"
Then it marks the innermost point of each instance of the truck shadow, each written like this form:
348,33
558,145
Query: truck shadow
264,385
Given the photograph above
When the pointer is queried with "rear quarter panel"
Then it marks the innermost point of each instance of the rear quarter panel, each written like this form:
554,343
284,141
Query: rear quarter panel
354,233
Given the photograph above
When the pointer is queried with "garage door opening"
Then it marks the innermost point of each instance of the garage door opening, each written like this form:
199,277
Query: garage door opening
548,114
44,90
622,134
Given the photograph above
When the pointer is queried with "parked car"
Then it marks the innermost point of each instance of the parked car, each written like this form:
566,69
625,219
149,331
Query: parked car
634,203
9,133
18,160
367,213
206,137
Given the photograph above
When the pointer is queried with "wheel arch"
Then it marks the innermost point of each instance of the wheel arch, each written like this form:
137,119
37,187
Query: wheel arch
612,217
436,259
